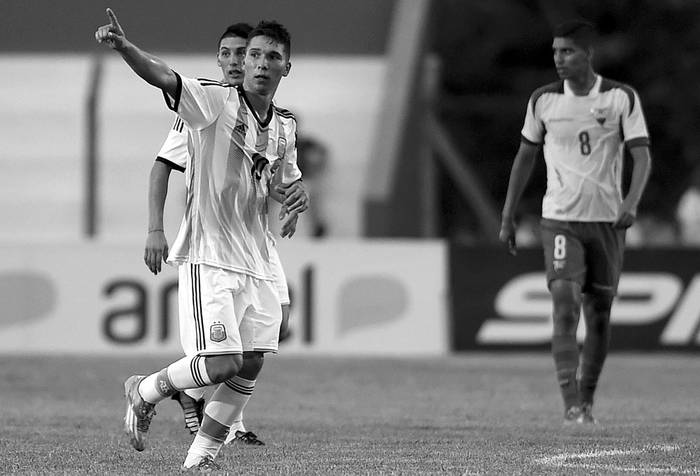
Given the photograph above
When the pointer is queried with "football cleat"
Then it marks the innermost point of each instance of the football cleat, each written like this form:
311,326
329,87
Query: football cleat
205,465
586,416
138,413
247,438
572,415
193,411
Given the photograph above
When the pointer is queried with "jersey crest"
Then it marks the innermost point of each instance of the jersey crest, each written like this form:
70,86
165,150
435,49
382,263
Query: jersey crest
281,147
599,114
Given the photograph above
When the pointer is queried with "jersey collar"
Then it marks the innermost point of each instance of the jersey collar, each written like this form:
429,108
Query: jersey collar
270,110
595,90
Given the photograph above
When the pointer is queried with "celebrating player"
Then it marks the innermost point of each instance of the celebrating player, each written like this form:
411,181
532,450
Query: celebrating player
174,155
583,123
228,300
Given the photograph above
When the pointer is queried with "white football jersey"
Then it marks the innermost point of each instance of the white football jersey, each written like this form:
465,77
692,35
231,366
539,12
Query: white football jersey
583,139
231,158
175,152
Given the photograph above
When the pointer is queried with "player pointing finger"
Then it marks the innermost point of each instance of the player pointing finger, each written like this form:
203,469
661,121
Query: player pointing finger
112,34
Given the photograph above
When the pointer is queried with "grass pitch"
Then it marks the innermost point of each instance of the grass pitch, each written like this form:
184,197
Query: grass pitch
465,414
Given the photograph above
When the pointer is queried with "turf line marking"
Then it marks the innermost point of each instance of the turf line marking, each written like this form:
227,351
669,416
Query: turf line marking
564,460
629,469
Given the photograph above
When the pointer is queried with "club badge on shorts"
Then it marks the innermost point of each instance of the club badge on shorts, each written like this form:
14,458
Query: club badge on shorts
217,332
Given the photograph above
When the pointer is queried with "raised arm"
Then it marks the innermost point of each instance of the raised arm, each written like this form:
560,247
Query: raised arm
641,158
152,69
519,176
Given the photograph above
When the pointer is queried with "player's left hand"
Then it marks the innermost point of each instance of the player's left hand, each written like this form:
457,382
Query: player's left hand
625,219
296,200
289,227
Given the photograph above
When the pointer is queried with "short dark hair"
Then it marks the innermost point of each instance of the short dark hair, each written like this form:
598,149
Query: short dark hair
274,30
580,31
239,30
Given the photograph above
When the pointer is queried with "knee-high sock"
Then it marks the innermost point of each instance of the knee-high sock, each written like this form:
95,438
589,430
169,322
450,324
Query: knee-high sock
565,353
595,350
196,393
210,437
188,372
242,391
218,416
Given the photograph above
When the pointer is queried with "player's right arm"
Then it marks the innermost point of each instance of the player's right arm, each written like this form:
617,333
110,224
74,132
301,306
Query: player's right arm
173,154
152,69
532,136
519,176
156,250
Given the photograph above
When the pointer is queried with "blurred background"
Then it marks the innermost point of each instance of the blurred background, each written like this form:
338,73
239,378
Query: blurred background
410,114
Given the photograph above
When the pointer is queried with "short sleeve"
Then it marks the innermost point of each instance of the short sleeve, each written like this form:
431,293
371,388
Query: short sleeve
174,152
291,172
533,128
634,127
198,101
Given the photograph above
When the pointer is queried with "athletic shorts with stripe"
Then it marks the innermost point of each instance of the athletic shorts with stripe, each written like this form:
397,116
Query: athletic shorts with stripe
224,312
280,278
589,253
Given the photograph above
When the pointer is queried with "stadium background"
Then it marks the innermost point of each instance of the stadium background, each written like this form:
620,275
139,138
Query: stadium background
420,105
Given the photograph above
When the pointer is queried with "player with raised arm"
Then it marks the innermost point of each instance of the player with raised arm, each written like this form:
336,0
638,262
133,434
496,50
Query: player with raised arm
174,155
238,137
583,123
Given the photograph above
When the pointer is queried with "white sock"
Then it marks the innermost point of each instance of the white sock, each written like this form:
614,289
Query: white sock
201,446
188,372
214,428
196,393
242,390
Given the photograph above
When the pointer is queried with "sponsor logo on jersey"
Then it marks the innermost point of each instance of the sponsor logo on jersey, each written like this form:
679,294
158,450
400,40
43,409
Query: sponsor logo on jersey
217,332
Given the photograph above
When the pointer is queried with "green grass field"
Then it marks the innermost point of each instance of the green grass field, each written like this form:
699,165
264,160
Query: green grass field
466,414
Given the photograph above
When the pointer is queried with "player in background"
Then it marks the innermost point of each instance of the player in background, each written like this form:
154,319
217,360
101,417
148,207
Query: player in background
174,155
583,123
238,137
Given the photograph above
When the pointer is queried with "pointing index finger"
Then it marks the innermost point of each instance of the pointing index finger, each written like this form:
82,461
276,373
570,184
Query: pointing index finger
112,18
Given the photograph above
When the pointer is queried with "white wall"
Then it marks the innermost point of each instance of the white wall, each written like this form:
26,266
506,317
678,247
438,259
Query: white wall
42,100
43,97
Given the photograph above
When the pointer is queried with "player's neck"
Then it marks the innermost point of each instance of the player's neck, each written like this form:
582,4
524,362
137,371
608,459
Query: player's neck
260,103
583,84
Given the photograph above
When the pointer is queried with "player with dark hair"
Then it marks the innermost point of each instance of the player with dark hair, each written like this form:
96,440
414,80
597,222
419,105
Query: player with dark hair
242,145
582,123
175,155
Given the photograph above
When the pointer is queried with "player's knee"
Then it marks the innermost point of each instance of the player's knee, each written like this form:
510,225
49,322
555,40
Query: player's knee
595,304
223,367
597,313
565,318
566,299
252,364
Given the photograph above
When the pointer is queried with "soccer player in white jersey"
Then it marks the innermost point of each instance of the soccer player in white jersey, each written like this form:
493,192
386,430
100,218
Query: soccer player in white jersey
238,136
583,123
174,155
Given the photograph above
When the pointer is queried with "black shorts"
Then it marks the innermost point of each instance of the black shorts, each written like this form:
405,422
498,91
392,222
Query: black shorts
589,253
